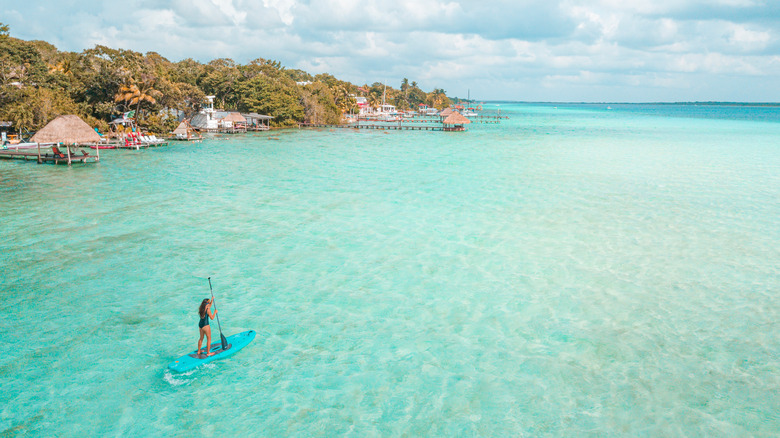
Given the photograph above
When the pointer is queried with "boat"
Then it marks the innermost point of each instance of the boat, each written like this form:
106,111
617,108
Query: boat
192,360
17,146
469,112
425,110
387,113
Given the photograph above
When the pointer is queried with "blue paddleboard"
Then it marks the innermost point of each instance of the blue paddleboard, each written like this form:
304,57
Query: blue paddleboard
192,360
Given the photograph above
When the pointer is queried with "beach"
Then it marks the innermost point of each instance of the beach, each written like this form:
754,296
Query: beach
574,270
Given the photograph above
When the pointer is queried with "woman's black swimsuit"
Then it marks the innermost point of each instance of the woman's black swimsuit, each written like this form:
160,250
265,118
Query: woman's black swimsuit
204,321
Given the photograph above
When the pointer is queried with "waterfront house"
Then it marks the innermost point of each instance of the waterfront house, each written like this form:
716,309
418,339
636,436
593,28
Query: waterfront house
257,122
206,119
363,107
233,122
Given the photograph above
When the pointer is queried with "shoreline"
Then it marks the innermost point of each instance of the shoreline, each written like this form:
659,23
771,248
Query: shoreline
691,103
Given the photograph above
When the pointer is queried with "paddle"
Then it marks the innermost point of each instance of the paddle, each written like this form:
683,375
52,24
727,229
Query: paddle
222,337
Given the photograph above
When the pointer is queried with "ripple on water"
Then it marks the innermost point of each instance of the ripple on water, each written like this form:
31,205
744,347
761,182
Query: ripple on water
560,274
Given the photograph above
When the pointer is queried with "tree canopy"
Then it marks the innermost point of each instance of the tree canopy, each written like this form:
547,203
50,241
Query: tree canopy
39,82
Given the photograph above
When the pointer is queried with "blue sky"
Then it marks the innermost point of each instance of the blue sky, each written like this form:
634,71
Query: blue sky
552,50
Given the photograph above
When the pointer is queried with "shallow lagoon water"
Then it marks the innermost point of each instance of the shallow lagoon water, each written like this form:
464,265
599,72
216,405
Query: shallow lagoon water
572,271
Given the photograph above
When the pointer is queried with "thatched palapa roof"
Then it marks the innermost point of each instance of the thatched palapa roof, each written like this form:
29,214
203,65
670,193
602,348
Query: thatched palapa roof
456,118
182,129
68,129
235,118
446,112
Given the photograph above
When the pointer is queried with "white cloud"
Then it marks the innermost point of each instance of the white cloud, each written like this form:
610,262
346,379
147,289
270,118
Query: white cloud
749,40
502,49
283,8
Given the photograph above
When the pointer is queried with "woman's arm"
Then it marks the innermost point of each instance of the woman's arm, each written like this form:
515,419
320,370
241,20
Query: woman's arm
212,312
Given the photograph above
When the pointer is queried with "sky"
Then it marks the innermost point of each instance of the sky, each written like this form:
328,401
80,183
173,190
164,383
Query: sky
521,50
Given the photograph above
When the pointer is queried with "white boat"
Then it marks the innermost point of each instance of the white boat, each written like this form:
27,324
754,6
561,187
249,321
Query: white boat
17,146
386,112
469,111
425,110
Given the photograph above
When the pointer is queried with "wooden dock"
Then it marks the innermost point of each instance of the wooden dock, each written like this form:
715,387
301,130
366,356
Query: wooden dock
394,126
47,158
139,145
486,119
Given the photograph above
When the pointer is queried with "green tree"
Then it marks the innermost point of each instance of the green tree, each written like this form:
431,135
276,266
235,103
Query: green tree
138,94
187,71
276,98
438,99
318,104
38,82
299,75
31,108
344,99
21,64
181,97
100,72
222,80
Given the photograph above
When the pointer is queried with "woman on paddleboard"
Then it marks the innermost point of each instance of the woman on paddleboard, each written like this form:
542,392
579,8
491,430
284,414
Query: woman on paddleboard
204,311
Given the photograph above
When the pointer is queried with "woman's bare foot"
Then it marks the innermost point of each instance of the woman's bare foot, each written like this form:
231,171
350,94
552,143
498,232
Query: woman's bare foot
210,354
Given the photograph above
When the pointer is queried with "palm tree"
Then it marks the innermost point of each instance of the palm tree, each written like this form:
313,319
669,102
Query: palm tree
437,97
133,95
63,67
342,97
374,99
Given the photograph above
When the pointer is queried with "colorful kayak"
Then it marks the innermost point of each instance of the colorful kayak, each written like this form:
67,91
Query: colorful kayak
192,360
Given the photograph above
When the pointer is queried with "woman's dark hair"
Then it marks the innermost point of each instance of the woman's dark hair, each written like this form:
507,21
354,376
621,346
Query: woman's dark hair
202,309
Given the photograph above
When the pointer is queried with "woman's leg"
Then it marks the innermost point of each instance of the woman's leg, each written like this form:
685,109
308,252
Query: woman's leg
200,341
207,329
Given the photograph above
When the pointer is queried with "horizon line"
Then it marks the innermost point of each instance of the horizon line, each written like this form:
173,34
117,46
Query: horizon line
691,102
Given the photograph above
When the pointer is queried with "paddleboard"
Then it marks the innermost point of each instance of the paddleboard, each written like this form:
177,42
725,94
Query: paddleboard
192,360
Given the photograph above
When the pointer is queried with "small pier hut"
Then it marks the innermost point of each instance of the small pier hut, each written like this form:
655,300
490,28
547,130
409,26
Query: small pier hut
234,122
455,122
185,132
257,122
446,113
69,130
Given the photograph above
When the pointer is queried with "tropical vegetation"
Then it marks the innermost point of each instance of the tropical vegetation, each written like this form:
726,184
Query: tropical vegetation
38,82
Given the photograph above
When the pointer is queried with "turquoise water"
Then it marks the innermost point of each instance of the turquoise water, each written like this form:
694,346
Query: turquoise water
574,271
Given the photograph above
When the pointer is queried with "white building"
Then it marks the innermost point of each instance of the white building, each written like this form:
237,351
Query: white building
363,106
206,119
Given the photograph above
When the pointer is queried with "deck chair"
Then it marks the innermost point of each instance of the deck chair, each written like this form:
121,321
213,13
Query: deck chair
57,153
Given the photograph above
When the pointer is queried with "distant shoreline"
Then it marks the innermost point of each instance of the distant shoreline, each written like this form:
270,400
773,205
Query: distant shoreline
711,103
